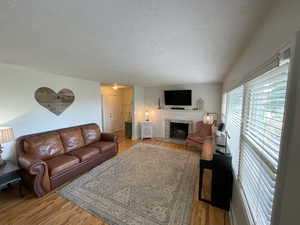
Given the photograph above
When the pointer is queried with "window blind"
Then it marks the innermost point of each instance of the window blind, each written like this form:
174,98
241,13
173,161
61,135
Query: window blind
224,107
260,141
234,119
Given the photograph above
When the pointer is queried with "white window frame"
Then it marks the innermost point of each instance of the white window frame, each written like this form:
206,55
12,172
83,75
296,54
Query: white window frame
265,70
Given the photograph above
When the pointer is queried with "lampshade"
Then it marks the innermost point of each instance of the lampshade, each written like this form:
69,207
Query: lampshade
208,119
147,114
6,134
115,87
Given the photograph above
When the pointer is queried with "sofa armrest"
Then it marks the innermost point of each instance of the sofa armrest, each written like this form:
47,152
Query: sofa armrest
109,137
29,164
39,170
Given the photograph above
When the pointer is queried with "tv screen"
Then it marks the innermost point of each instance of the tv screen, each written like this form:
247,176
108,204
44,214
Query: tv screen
178,97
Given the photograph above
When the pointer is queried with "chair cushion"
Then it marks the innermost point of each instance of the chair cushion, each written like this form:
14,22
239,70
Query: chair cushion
84,153
71,138
61,163
91,133
204,129
196,139
44,146
104,146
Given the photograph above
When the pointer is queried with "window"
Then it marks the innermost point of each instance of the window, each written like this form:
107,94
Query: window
260,141
255,113
224,108
234,119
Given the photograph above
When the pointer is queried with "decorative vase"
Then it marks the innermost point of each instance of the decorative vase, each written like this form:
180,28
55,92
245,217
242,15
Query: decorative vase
159,107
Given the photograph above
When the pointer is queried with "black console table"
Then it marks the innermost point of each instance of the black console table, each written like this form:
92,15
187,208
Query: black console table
222,178
9,175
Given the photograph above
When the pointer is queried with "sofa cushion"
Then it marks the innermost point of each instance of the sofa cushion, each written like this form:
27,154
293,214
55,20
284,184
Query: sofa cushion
44,146
91,133
104,146
61,163
84,153
72,138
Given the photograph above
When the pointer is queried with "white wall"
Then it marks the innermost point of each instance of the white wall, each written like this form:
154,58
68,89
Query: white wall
20,110
210,93
146,98
138,110
278,28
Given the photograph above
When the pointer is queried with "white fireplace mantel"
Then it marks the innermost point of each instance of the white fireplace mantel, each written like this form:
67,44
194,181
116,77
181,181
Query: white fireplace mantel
160,116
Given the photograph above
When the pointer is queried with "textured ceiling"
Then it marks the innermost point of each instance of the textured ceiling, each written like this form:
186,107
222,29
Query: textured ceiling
143,42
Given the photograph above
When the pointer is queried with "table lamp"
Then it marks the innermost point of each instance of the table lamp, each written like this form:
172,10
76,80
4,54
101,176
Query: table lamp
208,119
6,135
147,114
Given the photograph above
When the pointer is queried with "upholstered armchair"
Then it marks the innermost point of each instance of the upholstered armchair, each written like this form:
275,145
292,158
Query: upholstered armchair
203,132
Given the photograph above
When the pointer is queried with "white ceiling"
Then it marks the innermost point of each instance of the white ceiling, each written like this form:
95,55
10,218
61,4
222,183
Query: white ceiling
143,42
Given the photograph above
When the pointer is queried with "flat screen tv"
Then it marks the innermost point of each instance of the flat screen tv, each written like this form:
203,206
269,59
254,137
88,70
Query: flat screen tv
178,97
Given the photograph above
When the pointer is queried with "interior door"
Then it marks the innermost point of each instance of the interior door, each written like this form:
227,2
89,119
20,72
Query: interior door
112,113
107,113
117,115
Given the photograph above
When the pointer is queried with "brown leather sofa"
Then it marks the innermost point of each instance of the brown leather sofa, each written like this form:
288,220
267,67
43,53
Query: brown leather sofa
49,159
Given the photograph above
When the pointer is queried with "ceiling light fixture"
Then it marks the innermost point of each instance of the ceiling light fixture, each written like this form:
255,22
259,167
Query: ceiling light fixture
115,87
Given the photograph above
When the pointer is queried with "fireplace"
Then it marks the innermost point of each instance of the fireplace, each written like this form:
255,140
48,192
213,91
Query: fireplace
179,130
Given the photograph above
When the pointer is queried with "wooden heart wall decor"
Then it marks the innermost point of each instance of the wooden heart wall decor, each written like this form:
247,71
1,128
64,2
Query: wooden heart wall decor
56,103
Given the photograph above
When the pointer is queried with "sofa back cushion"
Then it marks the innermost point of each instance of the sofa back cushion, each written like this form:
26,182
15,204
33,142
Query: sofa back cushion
91,133
44,146
71,138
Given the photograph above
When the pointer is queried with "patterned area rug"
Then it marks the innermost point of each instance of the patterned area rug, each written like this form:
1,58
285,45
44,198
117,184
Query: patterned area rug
146,185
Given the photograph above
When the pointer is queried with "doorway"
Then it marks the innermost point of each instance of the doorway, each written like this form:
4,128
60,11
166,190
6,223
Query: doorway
116,108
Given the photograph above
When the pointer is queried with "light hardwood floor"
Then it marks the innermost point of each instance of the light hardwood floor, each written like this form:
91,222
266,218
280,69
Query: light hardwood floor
54,210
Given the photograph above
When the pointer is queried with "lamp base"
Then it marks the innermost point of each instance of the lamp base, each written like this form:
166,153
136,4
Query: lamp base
2,162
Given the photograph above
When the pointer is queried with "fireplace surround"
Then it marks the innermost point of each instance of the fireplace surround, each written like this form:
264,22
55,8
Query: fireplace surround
178,129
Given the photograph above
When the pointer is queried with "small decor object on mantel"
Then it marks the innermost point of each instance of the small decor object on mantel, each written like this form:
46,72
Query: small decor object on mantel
6,135
200,104
56,103
159,106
